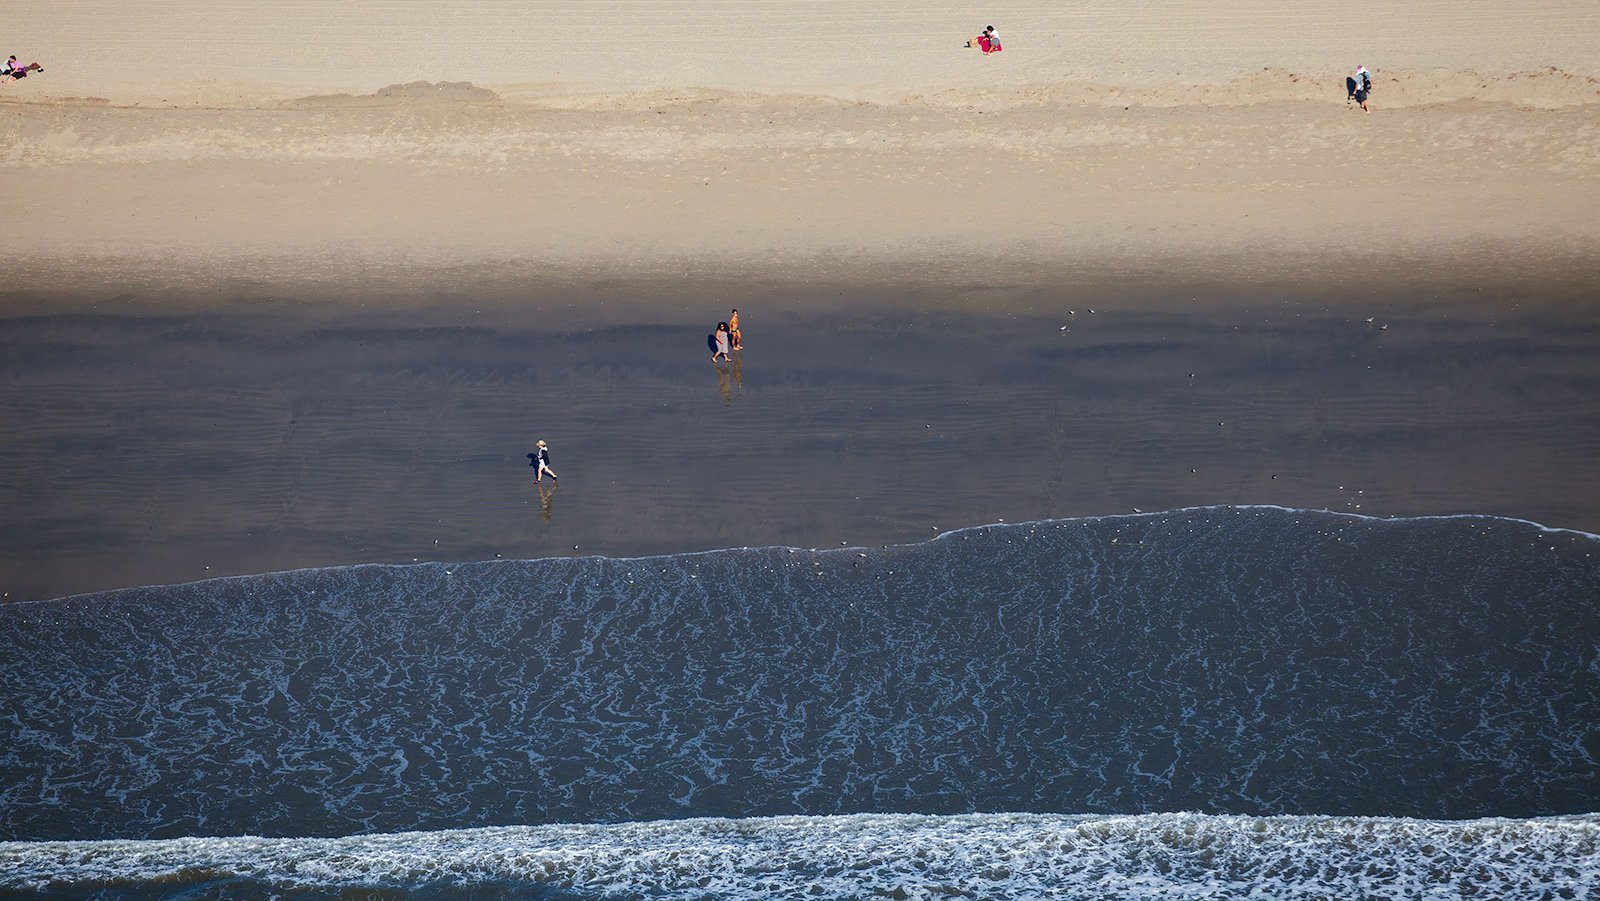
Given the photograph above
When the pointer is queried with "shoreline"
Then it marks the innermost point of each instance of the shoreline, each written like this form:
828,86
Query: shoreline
855,549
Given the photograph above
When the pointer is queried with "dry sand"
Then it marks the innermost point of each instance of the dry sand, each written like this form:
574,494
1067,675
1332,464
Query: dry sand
171,144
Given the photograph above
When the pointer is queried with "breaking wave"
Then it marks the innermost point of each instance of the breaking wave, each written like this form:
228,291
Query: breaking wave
990,856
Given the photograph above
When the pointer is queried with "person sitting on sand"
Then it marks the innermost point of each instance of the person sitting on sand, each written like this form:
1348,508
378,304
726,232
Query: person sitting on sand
988,41
15,70
736,340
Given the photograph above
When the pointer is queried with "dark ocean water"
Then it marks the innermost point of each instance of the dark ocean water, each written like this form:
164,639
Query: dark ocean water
1041,699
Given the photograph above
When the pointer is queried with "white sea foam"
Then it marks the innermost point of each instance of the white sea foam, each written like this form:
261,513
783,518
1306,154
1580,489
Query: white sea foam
995,856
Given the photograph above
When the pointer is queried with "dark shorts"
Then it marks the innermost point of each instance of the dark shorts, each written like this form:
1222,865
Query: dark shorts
1361,95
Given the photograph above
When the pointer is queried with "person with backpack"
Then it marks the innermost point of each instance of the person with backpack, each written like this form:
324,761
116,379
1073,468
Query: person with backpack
1359,85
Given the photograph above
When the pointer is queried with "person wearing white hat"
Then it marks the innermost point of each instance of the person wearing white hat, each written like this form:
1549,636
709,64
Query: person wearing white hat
541,459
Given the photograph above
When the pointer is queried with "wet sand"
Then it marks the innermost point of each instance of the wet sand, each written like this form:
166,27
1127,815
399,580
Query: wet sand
148,444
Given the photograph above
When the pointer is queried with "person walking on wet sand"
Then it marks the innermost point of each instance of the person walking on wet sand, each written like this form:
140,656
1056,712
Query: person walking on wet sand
719,343
735,340
541,459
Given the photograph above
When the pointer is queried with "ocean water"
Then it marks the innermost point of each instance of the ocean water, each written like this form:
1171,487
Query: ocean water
1213,702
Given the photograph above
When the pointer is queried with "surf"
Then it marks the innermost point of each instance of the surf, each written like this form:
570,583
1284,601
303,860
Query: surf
999,856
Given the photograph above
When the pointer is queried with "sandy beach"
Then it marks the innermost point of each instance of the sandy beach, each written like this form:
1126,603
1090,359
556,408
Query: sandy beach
183,178
650,136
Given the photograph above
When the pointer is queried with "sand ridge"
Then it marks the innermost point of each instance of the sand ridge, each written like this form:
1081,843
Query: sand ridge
401,175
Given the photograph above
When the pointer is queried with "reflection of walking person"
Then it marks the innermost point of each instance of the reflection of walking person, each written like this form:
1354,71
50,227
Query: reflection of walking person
547,501
541,459
730,377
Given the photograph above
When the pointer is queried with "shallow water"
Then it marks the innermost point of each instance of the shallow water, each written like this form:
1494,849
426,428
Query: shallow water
164,448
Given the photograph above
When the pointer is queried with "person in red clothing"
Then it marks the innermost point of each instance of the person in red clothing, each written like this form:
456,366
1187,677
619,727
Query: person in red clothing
988,41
